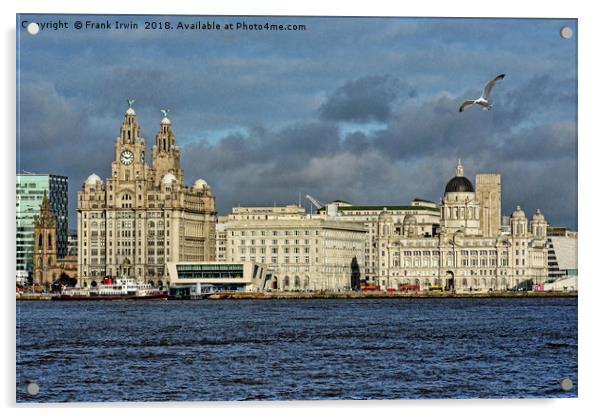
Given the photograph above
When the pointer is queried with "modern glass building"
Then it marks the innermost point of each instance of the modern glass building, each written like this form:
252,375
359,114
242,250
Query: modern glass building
30,191
210,276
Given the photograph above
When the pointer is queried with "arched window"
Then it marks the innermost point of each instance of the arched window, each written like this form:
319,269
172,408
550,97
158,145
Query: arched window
49,241
40,242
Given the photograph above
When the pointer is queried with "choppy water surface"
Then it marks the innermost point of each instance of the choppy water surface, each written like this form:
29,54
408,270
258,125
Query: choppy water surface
296,350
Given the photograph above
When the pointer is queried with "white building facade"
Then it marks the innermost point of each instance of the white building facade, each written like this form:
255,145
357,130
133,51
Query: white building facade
299,252
425,213
562,253
463,255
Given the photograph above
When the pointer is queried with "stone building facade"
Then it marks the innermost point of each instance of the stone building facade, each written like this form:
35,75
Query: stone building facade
48,267
45,248
467,253
425,213
143,216
300,252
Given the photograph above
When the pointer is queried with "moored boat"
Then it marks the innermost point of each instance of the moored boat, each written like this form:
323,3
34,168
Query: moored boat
118,289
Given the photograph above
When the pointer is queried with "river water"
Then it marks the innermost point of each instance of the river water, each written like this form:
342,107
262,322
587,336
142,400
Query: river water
296,349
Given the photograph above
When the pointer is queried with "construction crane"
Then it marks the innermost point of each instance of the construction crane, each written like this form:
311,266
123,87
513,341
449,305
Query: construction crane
315,202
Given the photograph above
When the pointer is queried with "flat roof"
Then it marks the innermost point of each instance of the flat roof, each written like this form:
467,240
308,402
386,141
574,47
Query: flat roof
389,208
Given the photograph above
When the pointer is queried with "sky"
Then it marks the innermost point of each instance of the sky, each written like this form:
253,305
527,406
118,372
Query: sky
359,109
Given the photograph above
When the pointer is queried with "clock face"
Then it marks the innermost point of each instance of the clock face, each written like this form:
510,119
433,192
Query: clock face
127,157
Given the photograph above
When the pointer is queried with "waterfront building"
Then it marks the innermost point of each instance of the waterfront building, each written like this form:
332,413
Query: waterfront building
72,242
30,189
48,267
143,216
299,252
196,278
563,284
221,239
469,252
562,253
425,213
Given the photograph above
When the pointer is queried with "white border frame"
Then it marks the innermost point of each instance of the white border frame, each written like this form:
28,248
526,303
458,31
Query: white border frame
589,32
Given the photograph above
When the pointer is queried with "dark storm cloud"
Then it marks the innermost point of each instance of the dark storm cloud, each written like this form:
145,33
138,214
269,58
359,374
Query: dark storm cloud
413,156
54,128
332,112
365,99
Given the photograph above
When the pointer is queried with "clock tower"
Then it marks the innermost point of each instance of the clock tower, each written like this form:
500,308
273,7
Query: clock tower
129,163
142,216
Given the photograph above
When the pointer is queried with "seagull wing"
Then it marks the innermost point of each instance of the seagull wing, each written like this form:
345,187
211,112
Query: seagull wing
465,104
490,85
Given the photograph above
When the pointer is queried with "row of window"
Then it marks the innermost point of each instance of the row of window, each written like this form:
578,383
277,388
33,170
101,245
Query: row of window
286,260
274,250
124,215
274,233
275,242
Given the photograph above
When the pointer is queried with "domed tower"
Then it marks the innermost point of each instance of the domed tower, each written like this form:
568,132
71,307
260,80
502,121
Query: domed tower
539,226
519,223
93,180
460,206
202,190
409,226
385,223
166,155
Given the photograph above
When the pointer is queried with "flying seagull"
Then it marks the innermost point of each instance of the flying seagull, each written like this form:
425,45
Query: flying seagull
482,100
